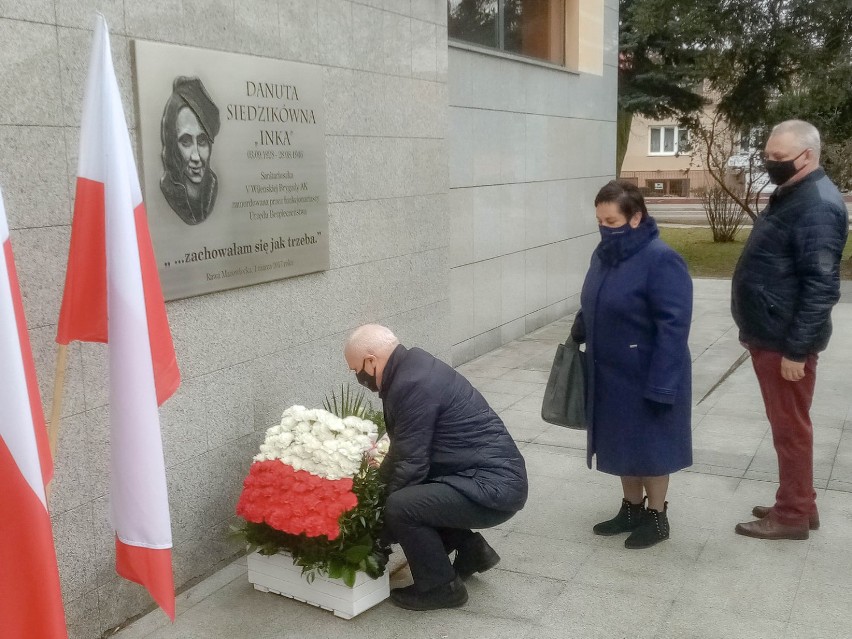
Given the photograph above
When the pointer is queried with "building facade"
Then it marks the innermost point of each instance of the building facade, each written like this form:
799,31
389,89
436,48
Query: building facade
529,145
666,159
460,181
659,159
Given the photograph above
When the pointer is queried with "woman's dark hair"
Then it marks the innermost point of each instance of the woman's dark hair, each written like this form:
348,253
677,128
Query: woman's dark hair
626,195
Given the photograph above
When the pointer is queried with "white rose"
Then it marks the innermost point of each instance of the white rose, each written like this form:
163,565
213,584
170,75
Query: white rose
322,432
294,410
324,417
384,443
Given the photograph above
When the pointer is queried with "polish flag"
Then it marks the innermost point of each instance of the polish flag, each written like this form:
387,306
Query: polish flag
113,295
30,598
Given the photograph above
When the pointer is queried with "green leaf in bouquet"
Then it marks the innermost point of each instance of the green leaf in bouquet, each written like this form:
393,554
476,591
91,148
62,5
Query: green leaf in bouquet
336,568
356,554
350,403
349,576
371,566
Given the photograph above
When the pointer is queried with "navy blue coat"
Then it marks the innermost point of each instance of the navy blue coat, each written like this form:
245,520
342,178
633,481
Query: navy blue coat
788,277
441,429
636,310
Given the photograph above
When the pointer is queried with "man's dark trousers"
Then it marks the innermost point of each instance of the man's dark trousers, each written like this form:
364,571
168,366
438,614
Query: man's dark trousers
428,521
788,407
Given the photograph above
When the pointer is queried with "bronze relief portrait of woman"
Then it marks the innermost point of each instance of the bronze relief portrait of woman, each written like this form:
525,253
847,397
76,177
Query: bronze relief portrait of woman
189,126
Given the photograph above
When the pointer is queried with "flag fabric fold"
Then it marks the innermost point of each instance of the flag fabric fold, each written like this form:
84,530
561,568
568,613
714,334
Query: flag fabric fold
30,596
113,295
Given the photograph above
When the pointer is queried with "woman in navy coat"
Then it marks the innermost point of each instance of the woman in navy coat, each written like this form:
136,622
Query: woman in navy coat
636,309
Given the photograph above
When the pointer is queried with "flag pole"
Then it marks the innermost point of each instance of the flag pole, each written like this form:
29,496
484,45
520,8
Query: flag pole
58,389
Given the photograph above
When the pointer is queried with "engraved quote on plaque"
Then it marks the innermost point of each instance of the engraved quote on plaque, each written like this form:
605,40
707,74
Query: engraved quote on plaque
233,163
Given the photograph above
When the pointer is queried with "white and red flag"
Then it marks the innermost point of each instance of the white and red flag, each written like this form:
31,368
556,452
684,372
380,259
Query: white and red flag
30,598
113,295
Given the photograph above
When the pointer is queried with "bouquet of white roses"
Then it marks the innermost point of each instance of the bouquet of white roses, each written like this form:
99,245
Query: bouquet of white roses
319,442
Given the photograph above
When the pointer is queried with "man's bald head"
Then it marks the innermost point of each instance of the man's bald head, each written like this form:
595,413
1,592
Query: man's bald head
371,339
368,349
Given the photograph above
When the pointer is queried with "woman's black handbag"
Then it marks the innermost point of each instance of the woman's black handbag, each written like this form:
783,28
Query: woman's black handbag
564,402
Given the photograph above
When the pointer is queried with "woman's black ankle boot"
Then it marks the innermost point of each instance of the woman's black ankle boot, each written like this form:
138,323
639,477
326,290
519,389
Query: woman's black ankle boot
627,519
653,529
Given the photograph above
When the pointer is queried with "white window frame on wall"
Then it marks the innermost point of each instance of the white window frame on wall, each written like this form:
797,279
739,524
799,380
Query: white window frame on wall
677,133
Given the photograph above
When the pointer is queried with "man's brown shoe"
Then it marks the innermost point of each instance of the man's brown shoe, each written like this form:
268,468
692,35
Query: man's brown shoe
761,511
770,528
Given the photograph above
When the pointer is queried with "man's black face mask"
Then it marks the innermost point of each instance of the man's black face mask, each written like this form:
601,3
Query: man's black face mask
365,379
779,171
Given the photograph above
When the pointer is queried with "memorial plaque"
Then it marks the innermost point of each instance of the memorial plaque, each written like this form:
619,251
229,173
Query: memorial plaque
233,164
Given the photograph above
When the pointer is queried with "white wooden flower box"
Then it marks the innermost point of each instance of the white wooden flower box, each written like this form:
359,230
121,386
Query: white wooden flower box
278,574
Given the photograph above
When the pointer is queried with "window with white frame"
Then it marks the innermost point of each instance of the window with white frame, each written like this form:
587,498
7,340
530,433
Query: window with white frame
668,140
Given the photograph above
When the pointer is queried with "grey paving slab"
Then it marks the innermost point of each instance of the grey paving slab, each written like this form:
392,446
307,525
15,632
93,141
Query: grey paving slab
524,553
524,375
596,612
749,586
558,580
660,570
702,622
558,436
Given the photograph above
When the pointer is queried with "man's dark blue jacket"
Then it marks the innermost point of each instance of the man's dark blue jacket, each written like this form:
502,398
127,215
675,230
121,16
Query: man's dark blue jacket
442,430
788,277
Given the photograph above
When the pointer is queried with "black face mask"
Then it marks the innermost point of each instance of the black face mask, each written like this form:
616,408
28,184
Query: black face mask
779,171
365,379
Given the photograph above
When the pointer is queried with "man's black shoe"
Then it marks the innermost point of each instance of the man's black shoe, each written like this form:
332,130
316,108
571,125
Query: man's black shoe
475,556
449,595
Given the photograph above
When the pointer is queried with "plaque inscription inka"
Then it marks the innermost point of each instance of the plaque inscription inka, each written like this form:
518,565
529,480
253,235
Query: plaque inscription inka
233,163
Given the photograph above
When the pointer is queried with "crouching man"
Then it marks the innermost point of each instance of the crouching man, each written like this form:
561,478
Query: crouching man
452,466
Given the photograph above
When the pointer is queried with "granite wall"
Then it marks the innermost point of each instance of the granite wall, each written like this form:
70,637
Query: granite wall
530,144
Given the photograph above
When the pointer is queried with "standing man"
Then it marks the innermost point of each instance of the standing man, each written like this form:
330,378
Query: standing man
452,466
784,287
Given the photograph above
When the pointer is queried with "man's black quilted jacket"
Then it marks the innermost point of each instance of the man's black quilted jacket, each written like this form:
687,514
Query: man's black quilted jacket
787,279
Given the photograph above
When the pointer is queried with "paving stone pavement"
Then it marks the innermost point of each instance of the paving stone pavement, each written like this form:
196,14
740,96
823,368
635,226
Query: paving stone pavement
558,580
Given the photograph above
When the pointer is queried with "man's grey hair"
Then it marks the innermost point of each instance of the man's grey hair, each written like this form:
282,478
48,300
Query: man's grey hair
805,134
371,338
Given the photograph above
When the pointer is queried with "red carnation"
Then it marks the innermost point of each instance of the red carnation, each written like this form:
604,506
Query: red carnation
295,501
